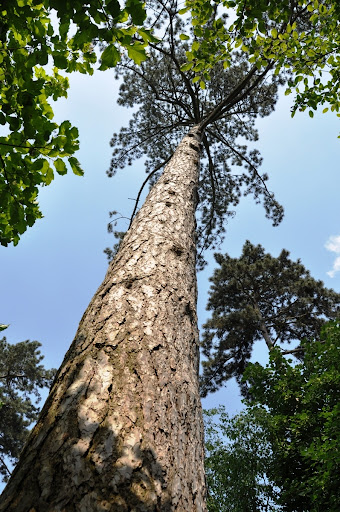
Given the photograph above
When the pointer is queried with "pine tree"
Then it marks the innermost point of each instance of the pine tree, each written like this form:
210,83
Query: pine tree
259,297
122,427
21,378
168,101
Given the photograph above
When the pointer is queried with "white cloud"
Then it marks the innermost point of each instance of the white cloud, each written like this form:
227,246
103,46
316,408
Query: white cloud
333,245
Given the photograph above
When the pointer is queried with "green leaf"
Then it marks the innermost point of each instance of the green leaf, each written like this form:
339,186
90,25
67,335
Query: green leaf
74,132
60,166
3,327
195,46
137,53
311,113
136,10
184,37
49,176
38,164
64,28
60,61
113,8
42,57
64,127
14,123
187,67
75,166
147,36
109,57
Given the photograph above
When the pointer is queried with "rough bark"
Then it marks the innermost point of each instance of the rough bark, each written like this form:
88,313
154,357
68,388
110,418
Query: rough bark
122,427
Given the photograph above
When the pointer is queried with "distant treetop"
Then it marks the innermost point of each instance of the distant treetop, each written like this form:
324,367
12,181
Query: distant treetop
260,297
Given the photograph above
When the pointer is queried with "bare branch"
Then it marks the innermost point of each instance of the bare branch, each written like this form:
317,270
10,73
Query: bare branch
5,466
143,185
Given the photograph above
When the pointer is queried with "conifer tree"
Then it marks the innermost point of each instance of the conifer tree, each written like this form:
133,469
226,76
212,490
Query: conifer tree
259,297
122,428
168,101
21,378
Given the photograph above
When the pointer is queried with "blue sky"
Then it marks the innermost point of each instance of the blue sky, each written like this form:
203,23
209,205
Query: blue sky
48,280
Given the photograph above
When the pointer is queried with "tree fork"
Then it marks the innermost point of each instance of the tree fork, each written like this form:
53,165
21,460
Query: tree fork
122,427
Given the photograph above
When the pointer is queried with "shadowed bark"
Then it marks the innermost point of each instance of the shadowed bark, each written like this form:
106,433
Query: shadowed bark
122,428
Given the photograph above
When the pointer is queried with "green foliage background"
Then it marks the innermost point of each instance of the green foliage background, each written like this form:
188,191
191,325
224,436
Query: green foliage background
283,451
32,53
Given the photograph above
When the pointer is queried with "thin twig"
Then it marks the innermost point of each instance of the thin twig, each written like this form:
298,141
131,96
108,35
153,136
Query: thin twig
143,185
252,166
213,201
5,465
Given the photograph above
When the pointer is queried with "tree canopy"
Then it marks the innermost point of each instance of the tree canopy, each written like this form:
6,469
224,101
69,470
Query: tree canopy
238,461
38,39
302,404
169,100
221,75
260,297
21,378
302,36
282,451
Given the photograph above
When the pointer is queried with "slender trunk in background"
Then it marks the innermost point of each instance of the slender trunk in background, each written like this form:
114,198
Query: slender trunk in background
263,327
122,428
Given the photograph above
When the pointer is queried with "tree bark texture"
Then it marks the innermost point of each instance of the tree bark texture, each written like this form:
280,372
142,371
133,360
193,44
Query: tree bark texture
122,427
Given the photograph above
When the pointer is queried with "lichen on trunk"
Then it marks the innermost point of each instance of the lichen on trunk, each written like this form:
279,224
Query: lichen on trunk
122,428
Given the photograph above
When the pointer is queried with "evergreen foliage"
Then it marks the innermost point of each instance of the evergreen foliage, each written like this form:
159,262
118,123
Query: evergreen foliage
260,297
21,378
221,75
168,101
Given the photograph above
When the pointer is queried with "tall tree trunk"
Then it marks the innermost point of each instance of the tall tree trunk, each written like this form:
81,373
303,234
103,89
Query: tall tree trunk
263,327
122,427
